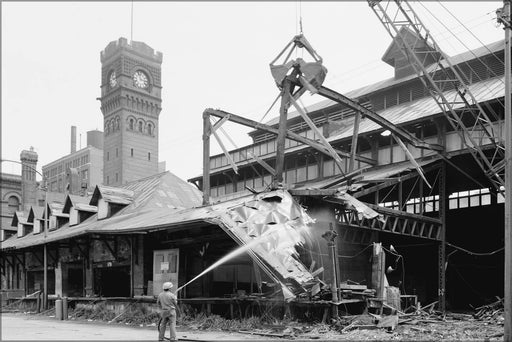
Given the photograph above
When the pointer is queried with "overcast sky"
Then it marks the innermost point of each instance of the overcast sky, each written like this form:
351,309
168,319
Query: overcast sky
215,55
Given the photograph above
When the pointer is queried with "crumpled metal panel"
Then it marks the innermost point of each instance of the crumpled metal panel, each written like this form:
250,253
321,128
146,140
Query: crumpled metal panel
354,204
274,224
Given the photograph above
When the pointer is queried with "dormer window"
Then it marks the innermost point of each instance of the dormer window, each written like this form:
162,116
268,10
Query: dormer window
110,200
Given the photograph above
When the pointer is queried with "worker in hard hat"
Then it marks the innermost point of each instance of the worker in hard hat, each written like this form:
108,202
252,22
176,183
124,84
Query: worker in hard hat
168,304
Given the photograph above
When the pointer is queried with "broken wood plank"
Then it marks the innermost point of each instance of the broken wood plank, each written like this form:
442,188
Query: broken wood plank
317,272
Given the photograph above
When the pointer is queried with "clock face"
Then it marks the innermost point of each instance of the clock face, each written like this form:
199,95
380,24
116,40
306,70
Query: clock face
112,79
140,80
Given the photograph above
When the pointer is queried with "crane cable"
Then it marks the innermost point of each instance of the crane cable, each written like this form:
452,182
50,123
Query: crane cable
466,63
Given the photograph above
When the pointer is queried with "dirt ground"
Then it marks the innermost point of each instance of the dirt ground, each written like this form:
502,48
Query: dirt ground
19,326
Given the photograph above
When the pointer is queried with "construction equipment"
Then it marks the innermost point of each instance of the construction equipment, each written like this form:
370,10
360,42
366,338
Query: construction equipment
466,116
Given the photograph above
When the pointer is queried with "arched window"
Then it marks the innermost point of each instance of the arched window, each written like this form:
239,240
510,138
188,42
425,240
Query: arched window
140,126
149,129
107,128
132,124
13,204
116,124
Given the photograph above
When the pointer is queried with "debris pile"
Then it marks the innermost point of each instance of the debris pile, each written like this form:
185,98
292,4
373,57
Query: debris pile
491,312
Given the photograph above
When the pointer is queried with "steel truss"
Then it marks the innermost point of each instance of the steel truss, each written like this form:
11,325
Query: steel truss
392,221
464,113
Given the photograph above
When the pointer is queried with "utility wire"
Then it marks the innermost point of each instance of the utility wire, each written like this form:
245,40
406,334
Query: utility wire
466,62
475,253
485,104
471,32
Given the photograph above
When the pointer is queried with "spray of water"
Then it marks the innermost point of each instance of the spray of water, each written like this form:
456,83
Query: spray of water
242,249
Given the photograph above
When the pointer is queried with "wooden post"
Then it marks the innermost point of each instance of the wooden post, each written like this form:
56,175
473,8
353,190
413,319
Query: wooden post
378,269
206,158
132,266
281,137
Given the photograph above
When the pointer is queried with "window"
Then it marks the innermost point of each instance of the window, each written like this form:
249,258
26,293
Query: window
149,155
131,152
472,198
117,152
117,177
13,204
132,123
108,156
140,126
150,129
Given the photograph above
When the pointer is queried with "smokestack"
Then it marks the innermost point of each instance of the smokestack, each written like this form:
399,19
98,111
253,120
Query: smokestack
73,139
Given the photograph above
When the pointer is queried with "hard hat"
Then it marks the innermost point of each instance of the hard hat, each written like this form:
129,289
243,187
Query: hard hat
167,285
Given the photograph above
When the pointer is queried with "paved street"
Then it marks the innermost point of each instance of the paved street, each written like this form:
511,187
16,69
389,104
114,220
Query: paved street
25,327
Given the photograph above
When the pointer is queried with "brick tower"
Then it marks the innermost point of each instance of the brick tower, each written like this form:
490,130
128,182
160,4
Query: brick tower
28,178
131,104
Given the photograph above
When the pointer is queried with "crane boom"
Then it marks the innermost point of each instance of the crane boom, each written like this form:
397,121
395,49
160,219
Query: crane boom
474,126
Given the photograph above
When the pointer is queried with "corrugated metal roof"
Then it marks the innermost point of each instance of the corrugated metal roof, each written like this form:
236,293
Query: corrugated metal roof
153,197
378,86
112,195
86,207
164,190
424,107
369,175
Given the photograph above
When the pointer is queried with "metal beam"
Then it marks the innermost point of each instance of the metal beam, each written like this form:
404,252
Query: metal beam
226,152
393,181
316,130
399,132
263,163
404,214
113,252
281,136
443,206
508,174
355,136
289,134
206,157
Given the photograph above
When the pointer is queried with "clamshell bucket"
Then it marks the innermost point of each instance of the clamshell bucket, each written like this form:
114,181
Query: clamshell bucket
311,74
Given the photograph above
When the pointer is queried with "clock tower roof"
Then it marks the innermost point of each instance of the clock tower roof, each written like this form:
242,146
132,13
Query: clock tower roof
138,48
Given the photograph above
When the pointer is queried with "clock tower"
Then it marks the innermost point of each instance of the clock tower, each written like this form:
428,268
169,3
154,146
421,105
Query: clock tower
131,103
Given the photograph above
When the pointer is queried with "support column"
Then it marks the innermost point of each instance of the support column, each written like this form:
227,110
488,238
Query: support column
506,20
58,280
88,270
206,158
378,268
441,266
281,137
45,277
138,266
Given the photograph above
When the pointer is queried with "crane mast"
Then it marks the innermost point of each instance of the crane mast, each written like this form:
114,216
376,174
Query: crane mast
466,116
